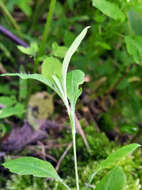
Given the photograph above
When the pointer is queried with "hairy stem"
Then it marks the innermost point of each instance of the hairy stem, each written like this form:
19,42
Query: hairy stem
46,32
72,121
11,19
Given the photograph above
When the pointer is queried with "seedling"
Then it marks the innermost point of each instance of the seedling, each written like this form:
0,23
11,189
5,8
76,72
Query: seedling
66,84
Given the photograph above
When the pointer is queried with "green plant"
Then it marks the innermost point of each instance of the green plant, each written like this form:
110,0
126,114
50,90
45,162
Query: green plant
66,85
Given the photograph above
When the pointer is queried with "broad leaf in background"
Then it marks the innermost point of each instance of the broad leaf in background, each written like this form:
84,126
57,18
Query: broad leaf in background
24,5
71,4
74,79
31,51
58,51
135,20
6,101
129,129
113,180
70,53
134,47
51,67
32,166
110,9
117,155
17,110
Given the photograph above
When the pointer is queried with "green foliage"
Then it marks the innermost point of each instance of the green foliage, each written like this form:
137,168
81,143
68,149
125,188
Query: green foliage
109,58
32,166
134,47
10,107
118,155
114,180
58,51
51,67
110,9
74,79
31,51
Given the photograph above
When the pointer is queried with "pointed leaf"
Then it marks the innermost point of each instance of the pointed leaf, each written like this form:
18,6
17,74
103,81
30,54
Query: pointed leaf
32,166
69,54
110,9
113,180
38,77
119,154
74,79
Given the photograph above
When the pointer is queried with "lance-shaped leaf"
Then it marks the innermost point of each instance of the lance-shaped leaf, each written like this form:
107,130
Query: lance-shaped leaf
32,166
113,180
69,54
110,9
74,79
119,154
37,77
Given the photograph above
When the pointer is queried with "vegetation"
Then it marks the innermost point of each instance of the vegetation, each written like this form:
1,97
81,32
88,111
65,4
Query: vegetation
108,60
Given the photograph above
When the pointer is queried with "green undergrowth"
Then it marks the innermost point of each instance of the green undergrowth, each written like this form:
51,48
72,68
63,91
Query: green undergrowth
100,148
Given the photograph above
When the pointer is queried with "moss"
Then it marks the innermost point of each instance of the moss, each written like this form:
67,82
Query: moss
18,182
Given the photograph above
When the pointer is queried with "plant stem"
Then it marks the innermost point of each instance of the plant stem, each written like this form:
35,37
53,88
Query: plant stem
7,13
34,16
92,177
46,32
65,185
72,121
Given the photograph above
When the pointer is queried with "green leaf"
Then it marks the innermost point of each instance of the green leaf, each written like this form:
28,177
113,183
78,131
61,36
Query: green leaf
113,180
25,6
7,100
135,20
51,67
70,4
109,9
129,129
134,47
37,77
117,155
31,51
32,166
18,110
74,79
70,53
58,51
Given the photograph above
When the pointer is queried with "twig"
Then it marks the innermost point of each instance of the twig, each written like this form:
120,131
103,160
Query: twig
81,133
12,37
63,155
